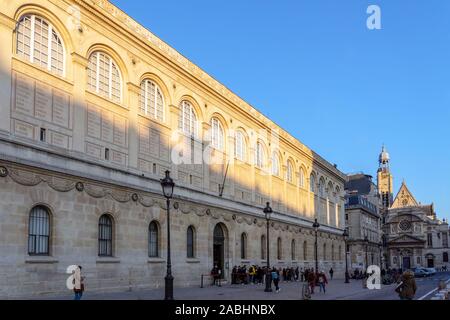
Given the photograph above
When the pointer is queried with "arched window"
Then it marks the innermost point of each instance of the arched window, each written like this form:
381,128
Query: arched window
312,183
40,43
324,251
104,76
263,247
305,251
217,135
293,257
190,242
322,186
330,189
290,172
243,246
151,100
39,231
259,155
153,240
241,149
279,250
105,236
188,119
275,164
302,178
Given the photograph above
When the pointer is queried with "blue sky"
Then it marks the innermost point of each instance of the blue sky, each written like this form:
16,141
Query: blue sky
315,69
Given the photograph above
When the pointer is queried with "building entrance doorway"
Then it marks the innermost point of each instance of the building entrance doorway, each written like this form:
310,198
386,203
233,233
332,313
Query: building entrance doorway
219,249
430,263
406,263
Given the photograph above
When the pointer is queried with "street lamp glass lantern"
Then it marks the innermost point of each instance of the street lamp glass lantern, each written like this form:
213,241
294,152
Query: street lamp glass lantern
316,225
268,211
167,185
345,235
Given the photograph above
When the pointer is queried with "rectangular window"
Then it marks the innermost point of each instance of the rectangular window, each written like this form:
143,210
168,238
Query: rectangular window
430,239
43,135
445,239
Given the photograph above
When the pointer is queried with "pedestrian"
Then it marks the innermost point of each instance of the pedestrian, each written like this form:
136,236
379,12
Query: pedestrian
331,273
302,275
276,279
407,287
311,281
297,273
78,281
322,281
215,275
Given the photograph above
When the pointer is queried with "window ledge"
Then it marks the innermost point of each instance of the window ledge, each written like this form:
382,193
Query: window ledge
192,260
107,260
156,260
41,259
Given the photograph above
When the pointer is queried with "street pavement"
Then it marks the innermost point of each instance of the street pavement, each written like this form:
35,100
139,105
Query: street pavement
336,290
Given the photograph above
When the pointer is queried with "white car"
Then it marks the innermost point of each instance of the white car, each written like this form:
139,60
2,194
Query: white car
431,271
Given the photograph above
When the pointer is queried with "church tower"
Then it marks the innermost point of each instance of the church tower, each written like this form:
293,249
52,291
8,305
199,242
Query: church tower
385,180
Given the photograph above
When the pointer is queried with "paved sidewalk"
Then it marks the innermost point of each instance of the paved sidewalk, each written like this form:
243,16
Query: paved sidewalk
336,290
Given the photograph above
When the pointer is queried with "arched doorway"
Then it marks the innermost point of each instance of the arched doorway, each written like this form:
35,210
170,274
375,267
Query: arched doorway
430,260
219,248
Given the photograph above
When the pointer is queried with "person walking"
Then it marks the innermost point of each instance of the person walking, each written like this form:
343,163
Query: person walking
311,281
78,281
331,273
302,275
322,281
407,287
276,279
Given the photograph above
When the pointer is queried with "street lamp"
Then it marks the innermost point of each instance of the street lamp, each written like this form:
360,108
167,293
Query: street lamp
346,235
316,227
366,241
268,211
167,185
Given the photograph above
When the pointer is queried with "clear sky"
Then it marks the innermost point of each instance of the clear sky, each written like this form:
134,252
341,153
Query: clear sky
315,69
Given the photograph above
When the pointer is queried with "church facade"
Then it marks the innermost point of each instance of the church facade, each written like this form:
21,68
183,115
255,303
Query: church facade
95,109
413,234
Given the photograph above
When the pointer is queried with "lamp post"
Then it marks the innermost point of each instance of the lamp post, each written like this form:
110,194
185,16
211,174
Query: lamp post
366,241
316,227
268,211
167,185
346,235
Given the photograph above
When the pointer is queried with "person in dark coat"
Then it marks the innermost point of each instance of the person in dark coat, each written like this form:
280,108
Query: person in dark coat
331,273
311,281
407,287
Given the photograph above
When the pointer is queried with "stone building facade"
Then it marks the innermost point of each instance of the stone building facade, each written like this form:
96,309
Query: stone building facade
95,109
413,235
363,220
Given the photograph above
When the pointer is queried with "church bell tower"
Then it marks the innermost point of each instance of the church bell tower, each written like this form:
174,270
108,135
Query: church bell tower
385,180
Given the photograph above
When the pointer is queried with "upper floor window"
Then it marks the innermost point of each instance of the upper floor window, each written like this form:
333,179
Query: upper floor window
188,119
39,231
40,43
321,187
289,172
259,155
240,146
217,135
275,164
430,239
104,76
312,183
151,100
302,178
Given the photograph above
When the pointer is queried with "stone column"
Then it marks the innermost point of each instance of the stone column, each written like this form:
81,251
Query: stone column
80,65
133,124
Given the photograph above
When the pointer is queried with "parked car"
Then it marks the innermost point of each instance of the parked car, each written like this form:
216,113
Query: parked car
419,272
431,271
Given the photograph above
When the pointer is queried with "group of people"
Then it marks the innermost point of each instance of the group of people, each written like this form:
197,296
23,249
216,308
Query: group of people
256,274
